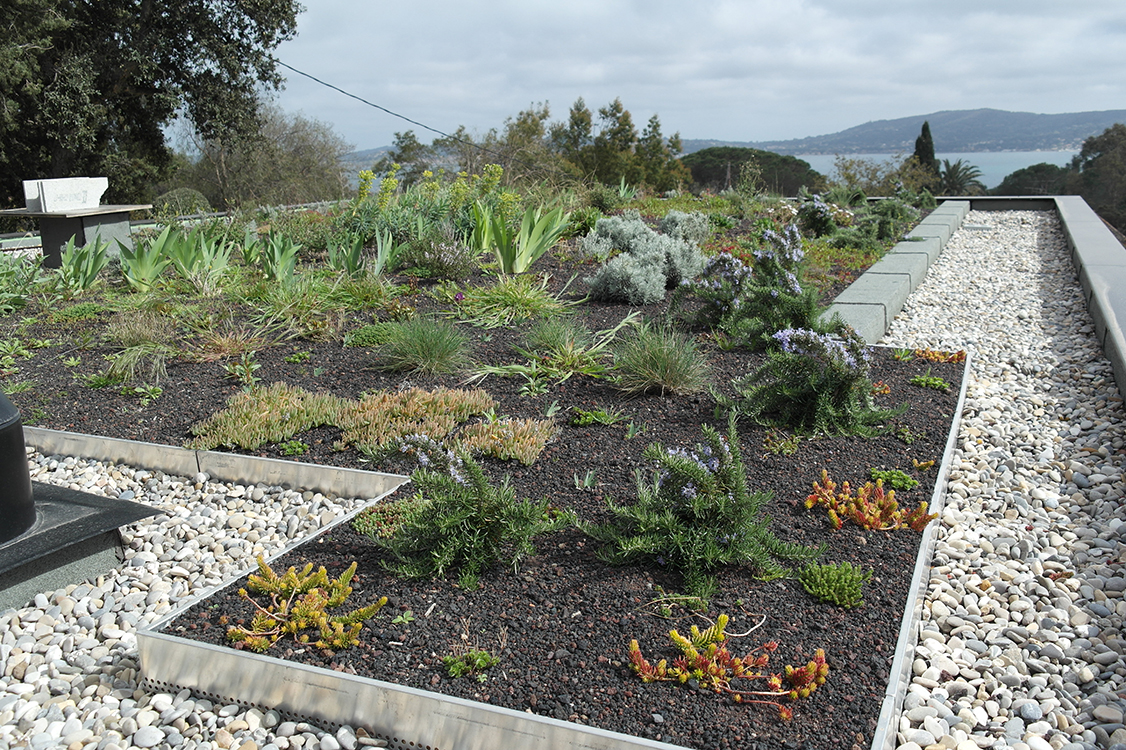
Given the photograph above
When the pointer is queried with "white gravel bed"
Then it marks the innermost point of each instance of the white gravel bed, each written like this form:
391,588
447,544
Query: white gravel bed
70,676
1021,643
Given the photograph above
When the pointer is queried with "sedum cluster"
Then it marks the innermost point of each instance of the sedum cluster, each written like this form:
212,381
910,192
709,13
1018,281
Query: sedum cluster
299,602
870,508
707,662
835,583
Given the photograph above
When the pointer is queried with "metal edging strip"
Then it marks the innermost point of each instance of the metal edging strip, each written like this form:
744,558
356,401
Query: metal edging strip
406,717
887,726
222,467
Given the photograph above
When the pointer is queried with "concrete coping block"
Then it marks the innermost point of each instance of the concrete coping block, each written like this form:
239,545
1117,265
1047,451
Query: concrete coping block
928,246
935,230
869,321
912,265
955,208
1092,243
64,194
888,290
1106,290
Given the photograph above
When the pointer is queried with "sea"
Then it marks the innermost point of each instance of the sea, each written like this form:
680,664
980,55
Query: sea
995,166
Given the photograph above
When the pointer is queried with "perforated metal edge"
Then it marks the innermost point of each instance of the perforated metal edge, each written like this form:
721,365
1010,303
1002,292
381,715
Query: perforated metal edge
405,717
887,726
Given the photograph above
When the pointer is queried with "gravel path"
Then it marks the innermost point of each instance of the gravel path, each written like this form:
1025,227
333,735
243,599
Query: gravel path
1020,644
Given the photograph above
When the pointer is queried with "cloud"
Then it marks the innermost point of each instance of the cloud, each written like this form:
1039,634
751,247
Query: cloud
730,69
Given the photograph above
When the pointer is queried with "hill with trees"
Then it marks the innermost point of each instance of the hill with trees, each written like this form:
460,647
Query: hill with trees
720,167
956,131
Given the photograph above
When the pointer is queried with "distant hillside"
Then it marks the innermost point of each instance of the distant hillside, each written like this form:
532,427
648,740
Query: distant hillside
954,131
364,159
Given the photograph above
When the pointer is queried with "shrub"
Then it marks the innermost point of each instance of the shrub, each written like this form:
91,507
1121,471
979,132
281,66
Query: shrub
424,345
660,358
649,262
437,251
633,279
462,523
750,303
816,216
694,227
815,383
181,202
697,516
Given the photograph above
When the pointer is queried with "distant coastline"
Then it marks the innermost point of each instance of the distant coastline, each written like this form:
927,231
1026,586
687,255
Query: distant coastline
995,166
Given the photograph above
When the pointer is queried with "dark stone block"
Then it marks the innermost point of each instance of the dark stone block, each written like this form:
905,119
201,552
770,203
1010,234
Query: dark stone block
17,509
74,537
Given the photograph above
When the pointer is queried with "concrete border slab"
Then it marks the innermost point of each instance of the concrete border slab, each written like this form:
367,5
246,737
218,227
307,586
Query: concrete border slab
912,265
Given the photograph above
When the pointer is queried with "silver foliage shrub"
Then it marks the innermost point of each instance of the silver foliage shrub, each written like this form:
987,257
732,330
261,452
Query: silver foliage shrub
649,262
693,227
634,279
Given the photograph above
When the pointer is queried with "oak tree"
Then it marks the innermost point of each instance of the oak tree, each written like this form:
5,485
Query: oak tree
88,86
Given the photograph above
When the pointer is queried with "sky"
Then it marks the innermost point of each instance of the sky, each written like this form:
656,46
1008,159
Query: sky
733,70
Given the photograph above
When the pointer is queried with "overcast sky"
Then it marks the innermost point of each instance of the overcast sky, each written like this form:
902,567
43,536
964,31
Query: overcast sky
739,70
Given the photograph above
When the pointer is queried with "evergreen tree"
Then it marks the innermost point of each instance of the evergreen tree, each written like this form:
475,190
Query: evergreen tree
1038,179
660,169
924,149
410,154
718,168
1099,174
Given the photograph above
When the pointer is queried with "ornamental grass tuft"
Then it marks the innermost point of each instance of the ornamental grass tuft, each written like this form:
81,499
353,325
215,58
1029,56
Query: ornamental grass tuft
423,345
657,357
